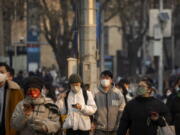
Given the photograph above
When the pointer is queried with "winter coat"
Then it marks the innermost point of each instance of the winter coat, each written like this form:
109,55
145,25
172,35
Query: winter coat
13,94
45,112
109,108
174,106
136,116
78,119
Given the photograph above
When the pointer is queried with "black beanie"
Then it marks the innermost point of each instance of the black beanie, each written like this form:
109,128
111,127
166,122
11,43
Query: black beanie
34,82
75,78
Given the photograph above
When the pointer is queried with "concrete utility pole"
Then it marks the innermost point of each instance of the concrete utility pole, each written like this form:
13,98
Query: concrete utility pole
161,65
173,41
88,42
102,42
1,33
144,37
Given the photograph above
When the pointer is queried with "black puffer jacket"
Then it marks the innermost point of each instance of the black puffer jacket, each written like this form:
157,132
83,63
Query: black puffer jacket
136,116
174,106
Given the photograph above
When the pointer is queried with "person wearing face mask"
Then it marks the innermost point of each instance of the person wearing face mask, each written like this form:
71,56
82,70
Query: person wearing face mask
123,86
10,95
175,88
79,105
35,114
144,114
173,102
177,85
110,104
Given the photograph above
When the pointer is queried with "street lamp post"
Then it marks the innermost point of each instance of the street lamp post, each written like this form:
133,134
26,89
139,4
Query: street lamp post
161,66
88,42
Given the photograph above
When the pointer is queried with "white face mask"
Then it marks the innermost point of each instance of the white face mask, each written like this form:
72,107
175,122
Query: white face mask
75,89
3,77
105,82
57,92
177,88
168,93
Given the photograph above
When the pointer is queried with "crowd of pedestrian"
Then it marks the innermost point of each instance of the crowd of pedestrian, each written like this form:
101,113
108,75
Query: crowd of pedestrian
40,104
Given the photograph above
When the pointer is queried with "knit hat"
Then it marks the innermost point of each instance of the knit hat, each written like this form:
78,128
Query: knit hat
34,82
75,78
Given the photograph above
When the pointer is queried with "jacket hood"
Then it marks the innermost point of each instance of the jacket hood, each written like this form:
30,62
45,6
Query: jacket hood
102,90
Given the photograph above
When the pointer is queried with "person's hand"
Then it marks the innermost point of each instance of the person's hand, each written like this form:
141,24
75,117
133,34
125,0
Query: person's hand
39,126
28,109
93,126
61,96
77,106
154,116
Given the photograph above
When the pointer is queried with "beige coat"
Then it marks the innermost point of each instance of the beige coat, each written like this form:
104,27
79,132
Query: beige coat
43,114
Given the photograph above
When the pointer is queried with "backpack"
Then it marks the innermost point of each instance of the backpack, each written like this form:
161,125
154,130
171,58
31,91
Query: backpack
85,95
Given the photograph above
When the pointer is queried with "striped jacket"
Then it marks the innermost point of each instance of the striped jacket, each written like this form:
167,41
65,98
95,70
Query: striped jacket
45,114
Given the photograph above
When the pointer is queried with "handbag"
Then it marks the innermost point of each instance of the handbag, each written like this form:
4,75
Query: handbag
166,130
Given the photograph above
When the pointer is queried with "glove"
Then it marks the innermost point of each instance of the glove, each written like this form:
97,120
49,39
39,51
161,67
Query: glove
39,126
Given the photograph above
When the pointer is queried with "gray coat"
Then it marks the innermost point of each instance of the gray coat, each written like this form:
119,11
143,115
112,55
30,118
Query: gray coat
109,108
44,115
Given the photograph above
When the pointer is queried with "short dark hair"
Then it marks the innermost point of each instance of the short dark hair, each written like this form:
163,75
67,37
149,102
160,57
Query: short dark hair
148,81
107,73
2,64
75,78
124,81
33,82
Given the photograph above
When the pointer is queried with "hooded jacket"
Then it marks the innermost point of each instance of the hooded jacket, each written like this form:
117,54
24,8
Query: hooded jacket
109,108
45,113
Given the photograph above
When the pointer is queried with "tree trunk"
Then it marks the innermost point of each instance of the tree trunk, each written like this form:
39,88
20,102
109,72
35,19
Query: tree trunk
7,28
133,47
61,58
7,32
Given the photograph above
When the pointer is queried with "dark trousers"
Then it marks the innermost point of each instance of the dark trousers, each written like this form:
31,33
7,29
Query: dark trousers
2,128
76,132
2,132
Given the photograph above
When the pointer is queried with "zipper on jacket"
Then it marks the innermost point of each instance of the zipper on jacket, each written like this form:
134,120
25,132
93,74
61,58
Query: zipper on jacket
38,110
107,107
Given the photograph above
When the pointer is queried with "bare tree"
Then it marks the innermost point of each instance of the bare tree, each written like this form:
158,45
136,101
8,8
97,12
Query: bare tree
12,9
133,16
58,23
